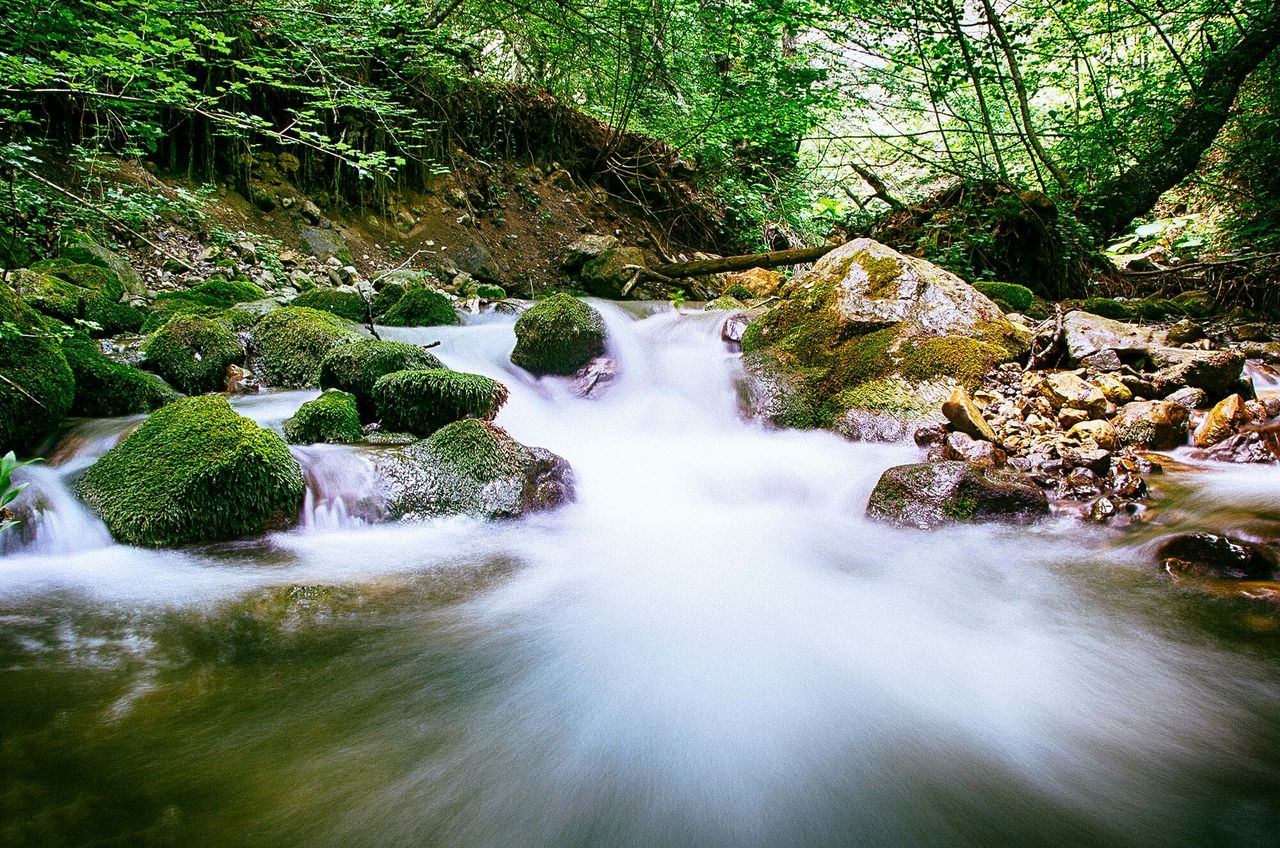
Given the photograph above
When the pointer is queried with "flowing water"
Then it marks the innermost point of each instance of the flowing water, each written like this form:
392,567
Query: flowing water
711,647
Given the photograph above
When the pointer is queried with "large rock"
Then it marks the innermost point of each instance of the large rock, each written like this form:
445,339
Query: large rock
472,467
607,274
1221,422
332,418
106,388
290,344
1214,371
324,243
88,253
39,387
474,258
71,293
421,307
193,353
584,250
421,402
558,335
1155,424
871,330
1208,555
195,471
760,282
355,367
1086,334
1068,391
931,494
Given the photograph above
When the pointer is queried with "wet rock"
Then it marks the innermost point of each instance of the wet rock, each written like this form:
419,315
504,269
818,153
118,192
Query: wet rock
1101,433
240,380
1156,424
933,494
964,415
1250,333
594,377
1209,555
558,335
1220,422
761,282
1113,389
1185,331
1096,460
930,435
733,328
1189,398
1102,361
1066,390
1215,371
584,250
772,393
1080,482
1127,484
1247,447
963,447
1101,510
864,425
1086,334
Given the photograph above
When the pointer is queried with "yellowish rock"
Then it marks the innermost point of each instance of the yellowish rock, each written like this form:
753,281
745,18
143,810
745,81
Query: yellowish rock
1101,432
1221,422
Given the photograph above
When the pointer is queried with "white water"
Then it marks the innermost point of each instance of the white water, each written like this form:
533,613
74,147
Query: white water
713,647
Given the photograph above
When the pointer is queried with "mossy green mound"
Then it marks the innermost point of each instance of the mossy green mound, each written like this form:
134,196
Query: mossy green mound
332,417
421,308
1108,308
193,352
737,291
345,304
106,388
38,386
72,292
558,336
1010,297
89,253
488,291
195,471
291,342
216,292
355,367
422,402
725,303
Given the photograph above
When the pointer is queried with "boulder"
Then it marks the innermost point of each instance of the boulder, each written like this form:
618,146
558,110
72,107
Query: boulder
606,275
975,451
558,335
88,253
1221,422
105,388
1101,433
1215,371
472,467
1209,555
195,471
584,250
1010,297
1252,332
474,258
71,292
1155,424
771,393
932,494
325,243
39,386
1068,391
1086,334
1185,331
421,402
760,282
345,303
355,367
290,343
420,307
965,416
332,418
1189,398
193,353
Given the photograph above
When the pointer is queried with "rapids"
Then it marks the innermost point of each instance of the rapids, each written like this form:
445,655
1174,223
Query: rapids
710,647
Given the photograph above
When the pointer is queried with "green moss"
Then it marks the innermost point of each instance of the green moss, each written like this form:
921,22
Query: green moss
962,359
738,292
724,303
344,304
962,508
291,342
882,394
1010,297
1157,309
332,417
1108,308
106,388
558,336
39,387
422,402
421,308
488,291
217,292
195,471
882,274
193,352
87,253
355,367
388,296
69,292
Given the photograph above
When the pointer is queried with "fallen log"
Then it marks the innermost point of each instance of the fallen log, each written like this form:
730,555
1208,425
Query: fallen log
724,265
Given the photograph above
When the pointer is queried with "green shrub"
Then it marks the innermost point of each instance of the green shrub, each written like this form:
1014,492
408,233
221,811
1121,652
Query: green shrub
195,471
421,308
1107,308
422,402
291,342
355,367
558,336
105,388
332,417
38,386
193,352
1010,297
344,304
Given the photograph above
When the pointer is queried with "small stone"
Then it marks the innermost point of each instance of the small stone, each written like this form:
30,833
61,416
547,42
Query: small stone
1250,333
965,416
969,449
1189,398
1126,484
929,435
1080,482
1100,432
1210,555
1113,390
1069,418
1101,510
1096,460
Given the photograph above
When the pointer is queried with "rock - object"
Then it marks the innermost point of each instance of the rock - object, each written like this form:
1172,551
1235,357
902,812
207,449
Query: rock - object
933,494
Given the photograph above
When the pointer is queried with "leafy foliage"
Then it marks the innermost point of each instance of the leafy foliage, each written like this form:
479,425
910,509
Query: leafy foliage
9,490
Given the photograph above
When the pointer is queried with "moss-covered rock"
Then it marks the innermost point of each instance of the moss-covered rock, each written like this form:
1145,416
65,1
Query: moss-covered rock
1108,308
869,329
422,402
216,292
1010,297
558,336
193,352
608,274
343,303
355,367
488,291
38,386
106,388
71,292
290,344
472,467
421,307
195,471
332,417
725,303
931,494
90,253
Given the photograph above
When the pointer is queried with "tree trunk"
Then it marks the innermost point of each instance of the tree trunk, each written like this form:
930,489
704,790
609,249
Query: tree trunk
773,259
1112,205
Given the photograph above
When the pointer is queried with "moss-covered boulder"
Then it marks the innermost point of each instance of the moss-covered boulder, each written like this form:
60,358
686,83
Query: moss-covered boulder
90,253
38,386
422,402
1108,308
421,307
341,302
608,274
558,336
106,388
290,344
1010,297
931,494
195,471
355,367
871,332
192,353
217,292
71,292
472,467
332,417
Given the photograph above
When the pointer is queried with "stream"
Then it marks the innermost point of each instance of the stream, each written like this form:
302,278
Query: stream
710,647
